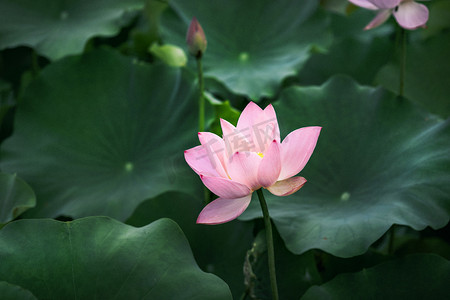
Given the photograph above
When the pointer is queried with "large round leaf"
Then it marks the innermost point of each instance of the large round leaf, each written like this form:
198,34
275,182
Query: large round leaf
346,56
439,19
352,48
58,28
252,45
15,197
379,161
98,134
102,257
230,250
420,276
6,99
217,249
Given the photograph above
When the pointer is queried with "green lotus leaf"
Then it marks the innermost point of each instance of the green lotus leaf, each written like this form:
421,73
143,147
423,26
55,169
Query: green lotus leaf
15,197
439,19
223,250
103,257
379,161
58,28
346,56
331,266
6,98
419,276
252,45
352,25
352,48
14,292
218,249
100,133
427,73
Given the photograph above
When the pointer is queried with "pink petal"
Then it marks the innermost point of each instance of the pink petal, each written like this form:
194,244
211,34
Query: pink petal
197,158
287,187
215,149
296,149
270,114
270,166
243,168
251,114
411,15
224,187
259,126
263,134
234,140
223,210
384,4
227,127
379,19
364,3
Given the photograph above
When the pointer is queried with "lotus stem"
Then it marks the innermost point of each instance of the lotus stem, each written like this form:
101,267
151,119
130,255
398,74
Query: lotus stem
402,61
270,249
201,111
201,99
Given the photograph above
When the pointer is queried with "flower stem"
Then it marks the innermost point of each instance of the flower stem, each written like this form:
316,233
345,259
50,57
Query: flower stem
402,61
269,240
201,112
201,99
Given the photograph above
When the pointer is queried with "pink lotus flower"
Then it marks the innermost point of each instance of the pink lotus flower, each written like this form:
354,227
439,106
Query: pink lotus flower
249,157
408,13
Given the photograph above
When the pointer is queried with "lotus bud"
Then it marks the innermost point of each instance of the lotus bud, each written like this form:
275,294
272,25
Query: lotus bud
196,39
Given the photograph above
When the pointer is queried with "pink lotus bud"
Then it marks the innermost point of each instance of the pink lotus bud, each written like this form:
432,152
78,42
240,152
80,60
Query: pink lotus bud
196,39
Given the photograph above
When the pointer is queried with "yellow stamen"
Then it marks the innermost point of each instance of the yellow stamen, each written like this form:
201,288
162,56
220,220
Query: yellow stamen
260,154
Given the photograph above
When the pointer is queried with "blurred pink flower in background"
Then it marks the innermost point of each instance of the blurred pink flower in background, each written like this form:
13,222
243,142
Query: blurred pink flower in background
248,157
408,13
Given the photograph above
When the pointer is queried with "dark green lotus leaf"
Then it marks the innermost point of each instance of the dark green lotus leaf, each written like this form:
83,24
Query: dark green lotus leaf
6,98
100,133
223,250
420,276
352,48
346,56
425,245
103,257
353,22
331,266
427,74
252,45
10,291
439,18
15,197
218,249
58,28
379,161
